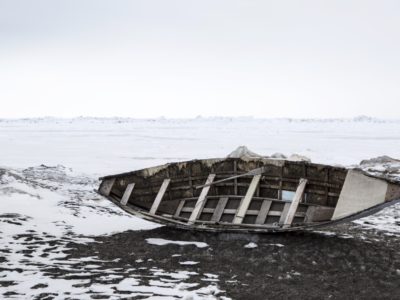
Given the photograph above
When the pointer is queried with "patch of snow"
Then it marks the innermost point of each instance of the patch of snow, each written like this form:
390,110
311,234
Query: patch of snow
243,151
127,284
51,212
189,263
325,233
182,275
162,242
278,156
250,245
382,166
386,220
277,245
298,157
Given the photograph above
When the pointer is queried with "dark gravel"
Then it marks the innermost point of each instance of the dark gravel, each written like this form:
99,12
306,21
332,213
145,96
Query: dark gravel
350,264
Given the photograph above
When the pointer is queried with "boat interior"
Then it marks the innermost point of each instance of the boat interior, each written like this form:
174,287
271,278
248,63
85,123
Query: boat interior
285,194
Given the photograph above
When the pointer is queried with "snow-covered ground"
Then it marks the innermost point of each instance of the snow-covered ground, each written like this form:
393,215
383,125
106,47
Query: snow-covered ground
49,168
104,146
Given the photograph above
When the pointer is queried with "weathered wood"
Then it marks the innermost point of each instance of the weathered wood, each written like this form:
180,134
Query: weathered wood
295,203
127,193
244,205
144,190
263,212
318,214
106,186
283,213
253,212
235,181
254,172
273,213
201,200
179,209
159,196
219,210
280,185
191,182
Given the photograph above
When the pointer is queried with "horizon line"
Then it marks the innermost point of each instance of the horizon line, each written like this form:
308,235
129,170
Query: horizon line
354,118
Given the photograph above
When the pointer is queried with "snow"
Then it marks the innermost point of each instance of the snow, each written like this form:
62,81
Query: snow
189,263
106,146
277,245
49,169
250,245
162,242
51,213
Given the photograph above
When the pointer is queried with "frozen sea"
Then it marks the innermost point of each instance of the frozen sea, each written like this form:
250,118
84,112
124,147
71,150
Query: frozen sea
49,168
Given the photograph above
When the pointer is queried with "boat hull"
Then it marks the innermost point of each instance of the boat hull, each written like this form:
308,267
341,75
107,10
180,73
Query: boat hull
248,195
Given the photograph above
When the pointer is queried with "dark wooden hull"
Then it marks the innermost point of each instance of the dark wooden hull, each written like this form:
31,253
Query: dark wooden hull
286,195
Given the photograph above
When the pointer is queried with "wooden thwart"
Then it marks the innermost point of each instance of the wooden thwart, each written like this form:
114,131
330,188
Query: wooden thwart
159,196
127,193
244,205
295,203
201,200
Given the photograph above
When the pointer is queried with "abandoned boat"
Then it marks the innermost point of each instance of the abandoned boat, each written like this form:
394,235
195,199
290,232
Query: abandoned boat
249,194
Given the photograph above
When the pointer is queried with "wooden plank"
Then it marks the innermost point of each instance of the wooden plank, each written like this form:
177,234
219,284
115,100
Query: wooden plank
249,212
106,186
279,213
127,193
159,196
201,200
179,209
283,213
219,210
295,203
262,214
244,204
319,214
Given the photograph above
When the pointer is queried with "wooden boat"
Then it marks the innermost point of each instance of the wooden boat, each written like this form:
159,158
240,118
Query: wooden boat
249,194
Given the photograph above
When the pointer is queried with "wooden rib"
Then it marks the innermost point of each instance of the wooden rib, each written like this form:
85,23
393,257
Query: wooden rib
179,209
295,203
127,193
159,196
283,213
201,200
219,210
244,204
262,214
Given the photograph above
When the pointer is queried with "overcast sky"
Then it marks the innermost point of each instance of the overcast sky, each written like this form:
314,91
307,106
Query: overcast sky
188,58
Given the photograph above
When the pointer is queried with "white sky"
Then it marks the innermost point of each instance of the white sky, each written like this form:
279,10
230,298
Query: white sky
187,58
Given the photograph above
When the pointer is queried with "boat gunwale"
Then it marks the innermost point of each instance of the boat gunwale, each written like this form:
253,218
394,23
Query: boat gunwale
273,161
